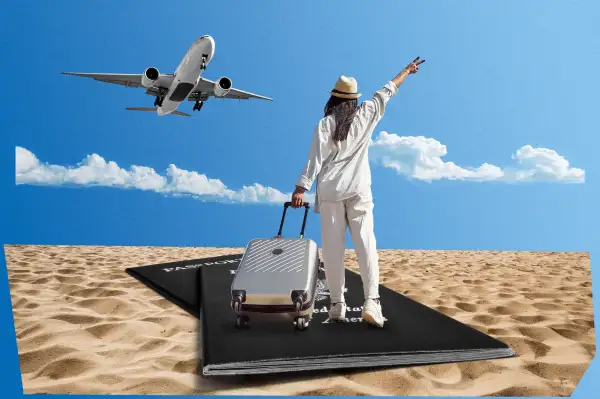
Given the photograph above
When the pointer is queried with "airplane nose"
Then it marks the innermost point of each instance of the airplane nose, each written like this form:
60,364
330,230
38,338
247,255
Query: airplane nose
211,41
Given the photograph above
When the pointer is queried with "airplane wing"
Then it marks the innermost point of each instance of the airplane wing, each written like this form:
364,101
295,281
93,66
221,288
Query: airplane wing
205,88
127,80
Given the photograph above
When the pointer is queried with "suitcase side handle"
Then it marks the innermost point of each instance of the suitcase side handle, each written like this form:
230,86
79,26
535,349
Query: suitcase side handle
286,205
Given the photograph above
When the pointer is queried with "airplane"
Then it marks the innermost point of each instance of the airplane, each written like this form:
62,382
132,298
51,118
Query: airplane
186,83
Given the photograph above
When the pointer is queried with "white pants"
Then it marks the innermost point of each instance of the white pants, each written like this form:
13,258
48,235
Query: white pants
357,214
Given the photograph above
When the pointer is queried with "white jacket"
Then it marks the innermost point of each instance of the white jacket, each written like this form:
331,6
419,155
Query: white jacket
342,169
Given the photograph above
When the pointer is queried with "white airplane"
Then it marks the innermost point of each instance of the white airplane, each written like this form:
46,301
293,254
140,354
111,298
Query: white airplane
186,83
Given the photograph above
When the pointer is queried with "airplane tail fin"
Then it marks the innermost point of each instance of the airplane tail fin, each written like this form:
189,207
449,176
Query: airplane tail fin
142,109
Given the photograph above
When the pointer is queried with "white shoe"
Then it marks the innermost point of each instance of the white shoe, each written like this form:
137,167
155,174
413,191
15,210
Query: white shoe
338,312
372,313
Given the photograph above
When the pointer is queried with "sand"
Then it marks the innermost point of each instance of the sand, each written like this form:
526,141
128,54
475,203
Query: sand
85,326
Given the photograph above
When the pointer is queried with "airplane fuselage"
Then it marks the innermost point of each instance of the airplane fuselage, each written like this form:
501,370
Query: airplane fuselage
187,74
184,84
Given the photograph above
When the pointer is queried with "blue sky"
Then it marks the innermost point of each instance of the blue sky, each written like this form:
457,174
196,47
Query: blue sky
498,76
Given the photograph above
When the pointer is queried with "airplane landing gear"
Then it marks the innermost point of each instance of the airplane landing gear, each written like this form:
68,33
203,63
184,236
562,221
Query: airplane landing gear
198,105
204,58
158,101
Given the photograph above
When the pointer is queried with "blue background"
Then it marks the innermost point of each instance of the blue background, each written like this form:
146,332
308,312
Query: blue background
499,75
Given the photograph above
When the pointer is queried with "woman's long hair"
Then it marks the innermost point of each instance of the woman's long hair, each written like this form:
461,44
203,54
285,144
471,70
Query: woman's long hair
343,110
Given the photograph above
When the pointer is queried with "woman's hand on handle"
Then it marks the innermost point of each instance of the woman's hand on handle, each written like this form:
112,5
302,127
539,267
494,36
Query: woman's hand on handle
298,197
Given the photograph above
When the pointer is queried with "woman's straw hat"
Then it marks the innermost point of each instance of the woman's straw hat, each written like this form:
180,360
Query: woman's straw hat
345,87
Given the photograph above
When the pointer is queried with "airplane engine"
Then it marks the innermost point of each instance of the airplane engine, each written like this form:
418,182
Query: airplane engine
222,86
149,77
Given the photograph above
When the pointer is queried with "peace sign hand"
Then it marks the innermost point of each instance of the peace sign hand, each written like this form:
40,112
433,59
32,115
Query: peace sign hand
413,67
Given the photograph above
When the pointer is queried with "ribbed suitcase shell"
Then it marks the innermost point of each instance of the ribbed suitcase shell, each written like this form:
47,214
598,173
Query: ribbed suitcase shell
272,269
277,275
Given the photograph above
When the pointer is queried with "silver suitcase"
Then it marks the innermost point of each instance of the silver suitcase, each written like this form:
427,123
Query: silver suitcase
277,275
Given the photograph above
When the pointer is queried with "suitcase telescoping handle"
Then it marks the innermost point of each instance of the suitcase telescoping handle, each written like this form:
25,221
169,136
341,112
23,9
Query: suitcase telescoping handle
306,206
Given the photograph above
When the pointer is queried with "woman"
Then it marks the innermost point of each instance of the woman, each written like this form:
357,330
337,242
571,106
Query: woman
338,160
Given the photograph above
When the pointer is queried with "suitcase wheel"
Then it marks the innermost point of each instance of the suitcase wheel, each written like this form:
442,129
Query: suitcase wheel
236,305
242,322
298,305
302,323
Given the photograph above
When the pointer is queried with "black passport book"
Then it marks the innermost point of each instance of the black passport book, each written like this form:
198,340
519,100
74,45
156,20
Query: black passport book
413,335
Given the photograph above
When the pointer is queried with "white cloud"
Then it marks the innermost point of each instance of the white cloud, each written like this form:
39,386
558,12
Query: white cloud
94,170
420,158
542,164
415,157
